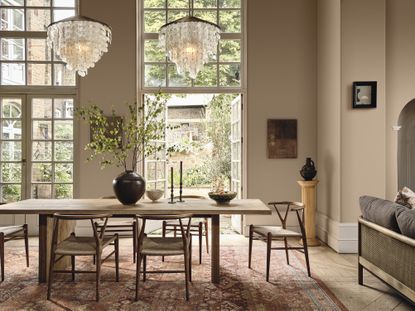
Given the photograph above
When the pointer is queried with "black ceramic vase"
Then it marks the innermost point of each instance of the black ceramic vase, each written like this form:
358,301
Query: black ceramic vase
129,187
308,172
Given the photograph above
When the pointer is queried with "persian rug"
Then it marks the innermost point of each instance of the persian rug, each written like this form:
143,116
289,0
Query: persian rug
240,289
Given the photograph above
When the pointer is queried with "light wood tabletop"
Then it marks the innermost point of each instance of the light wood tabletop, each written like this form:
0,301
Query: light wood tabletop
207,208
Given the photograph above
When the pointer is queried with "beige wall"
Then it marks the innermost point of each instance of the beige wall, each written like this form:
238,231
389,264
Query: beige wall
282,84
111,82
400,71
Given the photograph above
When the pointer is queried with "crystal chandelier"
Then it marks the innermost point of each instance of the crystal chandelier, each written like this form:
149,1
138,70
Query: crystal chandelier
79,41
189,42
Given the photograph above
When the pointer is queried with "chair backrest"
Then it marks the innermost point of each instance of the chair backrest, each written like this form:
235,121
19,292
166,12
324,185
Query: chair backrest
92,217
184,227
296,207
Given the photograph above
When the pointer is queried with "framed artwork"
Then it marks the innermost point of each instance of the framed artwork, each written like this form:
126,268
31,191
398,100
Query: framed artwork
364,94
282,138
113,122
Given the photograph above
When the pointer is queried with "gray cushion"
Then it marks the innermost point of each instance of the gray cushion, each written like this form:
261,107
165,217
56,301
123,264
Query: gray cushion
406,221
380,212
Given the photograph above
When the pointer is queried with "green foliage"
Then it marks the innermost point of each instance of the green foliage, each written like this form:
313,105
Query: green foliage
125,141
218,129
197,176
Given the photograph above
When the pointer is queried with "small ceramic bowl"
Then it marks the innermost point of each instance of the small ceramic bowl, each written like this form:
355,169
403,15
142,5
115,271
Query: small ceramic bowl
154,194
222,197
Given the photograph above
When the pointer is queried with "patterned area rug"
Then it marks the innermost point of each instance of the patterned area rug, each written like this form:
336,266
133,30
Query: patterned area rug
240,288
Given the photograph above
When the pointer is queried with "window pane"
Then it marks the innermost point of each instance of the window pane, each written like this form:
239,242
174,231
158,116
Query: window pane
176,80
207,76
62,14
11,129
63,151
154,3
41,191
172,15
11,151
12,49
39,74
64,3
13,3
229,75
13,74
229,3
11,108
63,108
152,52
42,151
64,191
205,4
11,172
37,19
230,51
63,172
12,19
153,20
38,2
63,130
10,193
42,130
37,49
42,108
178,4
42,172
155,75
210,16
230,21
63,76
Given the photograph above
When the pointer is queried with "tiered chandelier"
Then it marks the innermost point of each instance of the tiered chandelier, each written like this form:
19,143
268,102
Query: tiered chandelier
79,41
189,42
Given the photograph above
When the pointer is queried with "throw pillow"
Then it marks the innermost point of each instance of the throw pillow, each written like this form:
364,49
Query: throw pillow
406,197
380,212
406,222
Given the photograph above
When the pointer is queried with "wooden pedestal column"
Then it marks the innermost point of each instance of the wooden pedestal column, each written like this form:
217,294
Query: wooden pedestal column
308,195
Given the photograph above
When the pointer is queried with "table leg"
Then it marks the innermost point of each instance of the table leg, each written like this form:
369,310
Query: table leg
215,252
43,227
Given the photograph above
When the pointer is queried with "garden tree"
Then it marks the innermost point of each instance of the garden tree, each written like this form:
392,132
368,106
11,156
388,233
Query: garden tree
218,130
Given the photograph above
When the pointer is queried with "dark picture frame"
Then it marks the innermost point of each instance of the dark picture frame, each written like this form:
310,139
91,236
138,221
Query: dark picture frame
282,138
364,94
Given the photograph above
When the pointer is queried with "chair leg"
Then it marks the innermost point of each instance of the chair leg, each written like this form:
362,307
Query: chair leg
200,242
134,239
26,243
360,274
93,259
51,272
307,261
117,258
269,241
144,268
73,267
190,259
137,274
207,235
186,273
251,235
286,251
98,275
163,234
2,255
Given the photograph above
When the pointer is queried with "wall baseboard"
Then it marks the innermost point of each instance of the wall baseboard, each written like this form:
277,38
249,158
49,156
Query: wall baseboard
342,237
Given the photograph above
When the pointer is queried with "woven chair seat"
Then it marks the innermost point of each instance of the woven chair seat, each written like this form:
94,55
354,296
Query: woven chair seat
162,246
74,245
276,231
10,229
195,222
117,223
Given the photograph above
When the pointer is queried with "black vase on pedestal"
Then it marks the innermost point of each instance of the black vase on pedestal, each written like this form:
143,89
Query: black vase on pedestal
308,171
129,187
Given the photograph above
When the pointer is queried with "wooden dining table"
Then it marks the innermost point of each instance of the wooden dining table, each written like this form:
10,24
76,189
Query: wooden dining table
45,208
